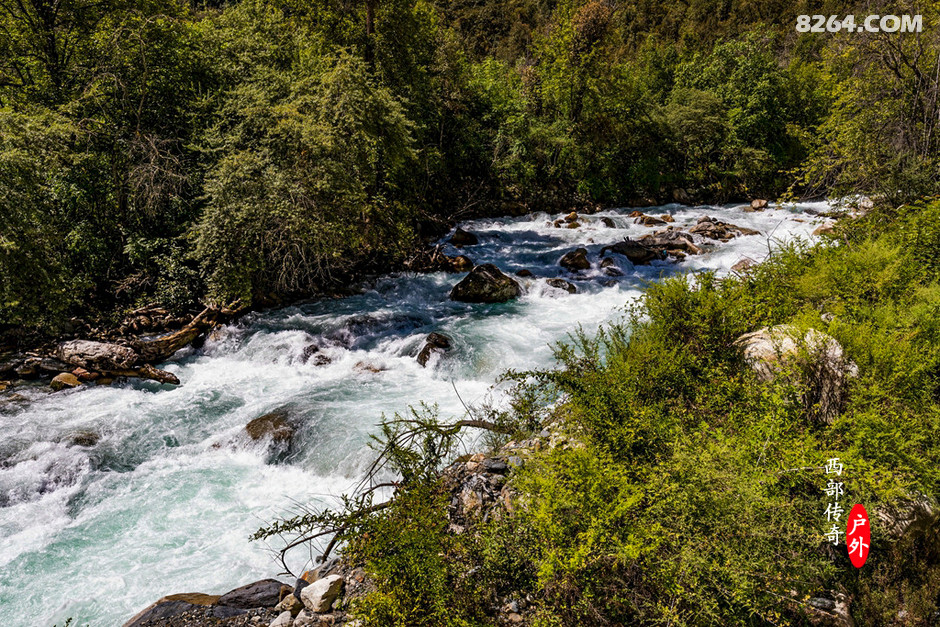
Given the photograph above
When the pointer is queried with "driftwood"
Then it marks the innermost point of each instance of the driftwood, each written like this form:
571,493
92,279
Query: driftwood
97,356
137,359
162,348
146,372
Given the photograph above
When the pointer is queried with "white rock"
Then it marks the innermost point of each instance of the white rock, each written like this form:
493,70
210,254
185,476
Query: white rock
319,596
284,619
815,357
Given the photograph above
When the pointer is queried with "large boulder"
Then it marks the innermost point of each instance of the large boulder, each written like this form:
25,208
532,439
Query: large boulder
670,241
264,593
273,425
434,343
170,606
722,231
97,356
909,517
319,596
638,253
485,284
813,361
575,260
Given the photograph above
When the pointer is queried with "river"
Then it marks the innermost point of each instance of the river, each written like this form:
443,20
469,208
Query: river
165,499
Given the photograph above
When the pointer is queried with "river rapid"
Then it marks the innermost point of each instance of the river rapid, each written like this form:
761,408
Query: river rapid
111,497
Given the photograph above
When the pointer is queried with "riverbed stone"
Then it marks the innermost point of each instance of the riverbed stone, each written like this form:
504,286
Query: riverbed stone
434,343
716,229
646,220
461,263
562,284
273,425
85,375
638,253
64,381
84,438
486,284
743,264
575,260
51,365
319,596
825,229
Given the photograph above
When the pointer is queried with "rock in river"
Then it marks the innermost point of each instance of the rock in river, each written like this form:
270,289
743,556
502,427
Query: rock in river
562,284
638,254
485,284
273,425
434,343
64,381
575,260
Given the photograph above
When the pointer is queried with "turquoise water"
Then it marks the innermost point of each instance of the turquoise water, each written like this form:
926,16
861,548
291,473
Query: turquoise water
165,500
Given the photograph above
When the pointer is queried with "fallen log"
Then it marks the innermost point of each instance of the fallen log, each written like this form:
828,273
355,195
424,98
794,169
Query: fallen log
137,358
162,348
146,372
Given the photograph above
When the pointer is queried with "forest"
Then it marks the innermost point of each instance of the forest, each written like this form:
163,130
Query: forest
180,154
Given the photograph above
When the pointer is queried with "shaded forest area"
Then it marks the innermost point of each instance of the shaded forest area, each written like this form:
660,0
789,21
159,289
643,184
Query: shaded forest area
183,153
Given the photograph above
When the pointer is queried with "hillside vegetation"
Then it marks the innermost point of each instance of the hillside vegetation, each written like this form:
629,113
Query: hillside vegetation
678,487
173,153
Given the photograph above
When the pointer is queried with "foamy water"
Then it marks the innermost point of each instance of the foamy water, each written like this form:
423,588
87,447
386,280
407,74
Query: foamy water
166,498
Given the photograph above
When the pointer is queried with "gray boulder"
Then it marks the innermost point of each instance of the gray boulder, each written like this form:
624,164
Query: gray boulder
264,593
638,253
486,284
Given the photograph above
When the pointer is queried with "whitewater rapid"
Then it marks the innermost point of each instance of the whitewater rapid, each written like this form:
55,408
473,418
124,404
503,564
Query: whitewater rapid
165,499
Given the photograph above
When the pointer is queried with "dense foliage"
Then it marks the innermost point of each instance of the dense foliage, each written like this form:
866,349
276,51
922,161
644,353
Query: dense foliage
175,152
689,492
